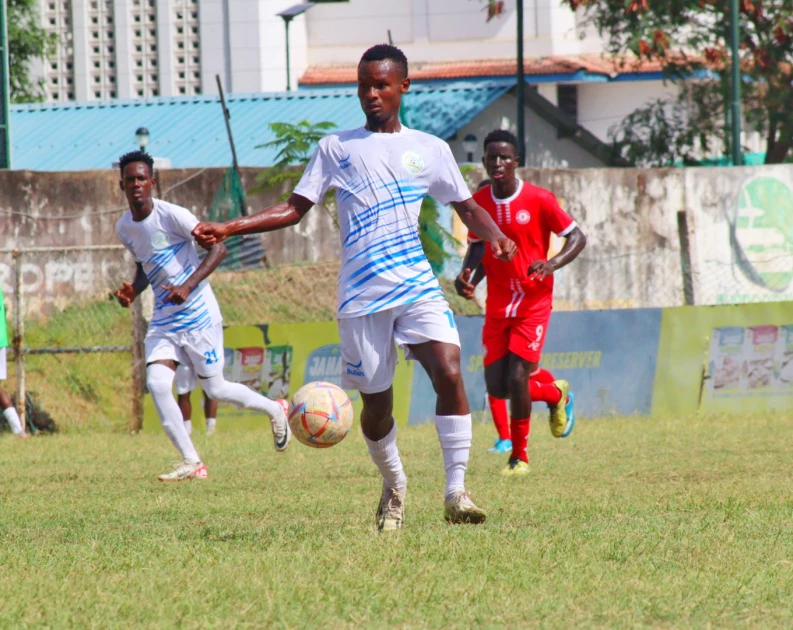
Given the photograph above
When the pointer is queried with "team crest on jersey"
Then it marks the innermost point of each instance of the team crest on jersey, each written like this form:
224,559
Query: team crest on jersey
523,217
159,240
412,162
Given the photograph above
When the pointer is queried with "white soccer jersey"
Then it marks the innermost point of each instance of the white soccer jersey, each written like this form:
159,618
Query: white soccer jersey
380,181
163,244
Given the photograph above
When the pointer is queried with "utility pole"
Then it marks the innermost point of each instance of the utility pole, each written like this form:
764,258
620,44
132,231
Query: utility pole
5,91
521,90
735,109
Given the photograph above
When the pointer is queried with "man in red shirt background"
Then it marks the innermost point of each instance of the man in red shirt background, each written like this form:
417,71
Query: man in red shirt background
519,295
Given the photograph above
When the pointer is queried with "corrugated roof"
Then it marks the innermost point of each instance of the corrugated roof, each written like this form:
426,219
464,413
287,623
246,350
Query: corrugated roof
190,131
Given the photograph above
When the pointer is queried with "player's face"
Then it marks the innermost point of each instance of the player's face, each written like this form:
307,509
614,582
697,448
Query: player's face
136,182
380,89
500,160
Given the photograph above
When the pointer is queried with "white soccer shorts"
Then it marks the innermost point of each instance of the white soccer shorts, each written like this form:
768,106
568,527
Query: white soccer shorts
201,349
368,354
185,380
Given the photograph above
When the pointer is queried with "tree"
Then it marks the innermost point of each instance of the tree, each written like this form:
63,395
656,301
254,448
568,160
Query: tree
690,39
296,143
27,41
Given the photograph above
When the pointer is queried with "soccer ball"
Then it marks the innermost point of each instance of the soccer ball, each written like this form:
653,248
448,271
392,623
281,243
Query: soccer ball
320,414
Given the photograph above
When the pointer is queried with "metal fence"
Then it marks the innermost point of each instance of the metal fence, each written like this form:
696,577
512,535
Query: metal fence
75,349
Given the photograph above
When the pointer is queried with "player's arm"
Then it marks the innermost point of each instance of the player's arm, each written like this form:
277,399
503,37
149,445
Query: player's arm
464,284
481,223
130,290
179,293
573,245
279,216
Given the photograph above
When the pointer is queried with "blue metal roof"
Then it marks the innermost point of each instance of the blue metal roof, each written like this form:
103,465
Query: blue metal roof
190,131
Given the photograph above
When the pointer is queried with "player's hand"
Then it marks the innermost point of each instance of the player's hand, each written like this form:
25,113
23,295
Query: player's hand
463,285
207,234
176,294
125,295
540,270
504,248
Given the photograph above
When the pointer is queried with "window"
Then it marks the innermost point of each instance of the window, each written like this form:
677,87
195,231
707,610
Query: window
567,99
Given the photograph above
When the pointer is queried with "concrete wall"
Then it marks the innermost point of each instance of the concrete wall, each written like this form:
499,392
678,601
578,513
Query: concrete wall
739,229
81,208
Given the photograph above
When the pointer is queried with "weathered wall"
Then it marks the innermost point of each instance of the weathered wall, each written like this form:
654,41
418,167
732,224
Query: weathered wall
740,228
72,209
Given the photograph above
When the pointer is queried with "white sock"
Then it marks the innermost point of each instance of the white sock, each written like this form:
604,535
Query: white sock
13,420
188,426
385,455
455,435
211,422
159,380
218,388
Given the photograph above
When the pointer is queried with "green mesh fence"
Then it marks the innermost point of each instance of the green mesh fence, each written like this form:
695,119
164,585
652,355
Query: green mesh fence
229,203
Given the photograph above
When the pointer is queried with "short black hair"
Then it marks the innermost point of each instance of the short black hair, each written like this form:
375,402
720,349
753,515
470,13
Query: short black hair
502,135
136,156
383,52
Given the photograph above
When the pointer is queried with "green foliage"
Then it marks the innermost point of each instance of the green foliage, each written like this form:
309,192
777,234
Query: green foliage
435,239
27,41
690,38
295,144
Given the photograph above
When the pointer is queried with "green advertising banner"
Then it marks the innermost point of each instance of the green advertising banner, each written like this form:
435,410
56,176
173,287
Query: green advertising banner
725,359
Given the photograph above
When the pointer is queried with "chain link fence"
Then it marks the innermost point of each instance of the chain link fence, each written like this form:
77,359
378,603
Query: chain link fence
73,347
80,353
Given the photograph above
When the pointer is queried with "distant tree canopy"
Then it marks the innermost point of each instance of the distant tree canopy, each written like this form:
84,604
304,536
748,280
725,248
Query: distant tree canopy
27,41
690,39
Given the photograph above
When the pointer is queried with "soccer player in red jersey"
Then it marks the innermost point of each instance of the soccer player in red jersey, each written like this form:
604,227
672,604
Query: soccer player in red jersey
519,294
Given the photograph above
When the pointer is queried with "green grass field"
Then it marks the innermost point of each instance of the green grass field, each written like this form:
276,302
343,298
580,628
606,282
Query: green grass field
684,522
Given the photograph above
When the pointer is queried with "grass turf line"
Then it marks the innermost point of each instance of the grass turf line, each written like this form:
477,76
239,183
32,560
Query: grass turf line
629,522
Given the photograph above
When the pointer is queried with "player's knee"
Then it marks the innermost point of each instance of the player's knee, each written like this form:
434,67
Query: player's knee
215,387
518,384
447,378
157,381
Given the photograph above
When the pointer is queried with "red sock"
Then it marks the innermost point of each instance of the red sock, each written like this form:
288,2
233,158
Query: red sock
520,438
498,408
544,392
542,376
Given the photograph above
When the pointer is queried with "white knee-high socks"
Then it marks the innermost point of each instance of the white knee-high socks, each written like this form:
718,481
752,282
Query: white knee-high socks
455,435
218,388
385,455
159,380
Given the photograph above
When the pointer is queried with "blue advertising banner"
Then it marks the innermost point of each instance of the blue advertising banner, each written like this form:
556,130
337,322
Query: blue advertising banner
609,358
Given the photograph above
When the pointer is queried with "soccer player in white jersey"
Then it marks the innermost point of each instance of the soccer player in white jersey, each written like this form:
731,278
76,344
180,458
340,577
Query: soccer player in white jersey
186,326
387,291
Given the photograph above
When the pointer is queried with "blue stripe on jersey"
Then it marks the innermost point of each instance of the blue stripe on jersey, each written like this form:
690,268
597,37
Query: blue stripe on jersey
354,187
403,258
178,320
199,323
419,280
399,263
403,236
187,309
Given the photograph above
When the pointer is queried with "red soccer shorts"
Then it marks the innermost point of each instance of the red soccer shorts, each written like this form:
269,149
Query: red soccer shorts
523,336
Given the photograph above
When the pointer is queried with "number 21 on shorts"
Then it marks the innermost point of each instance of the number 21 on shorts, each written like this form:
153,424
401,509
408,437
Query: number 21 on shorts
211,356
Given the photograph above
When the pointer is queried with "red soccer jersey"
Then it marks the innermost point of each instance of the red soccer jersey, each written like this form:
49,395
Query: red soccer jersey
528,218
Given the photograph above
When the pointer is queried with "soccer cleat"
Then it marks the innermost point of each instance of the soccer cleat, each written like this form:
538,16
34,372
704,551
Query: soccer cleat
391,511
570,410
458,508
184,471
516,468
281,431
562,419
501,447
